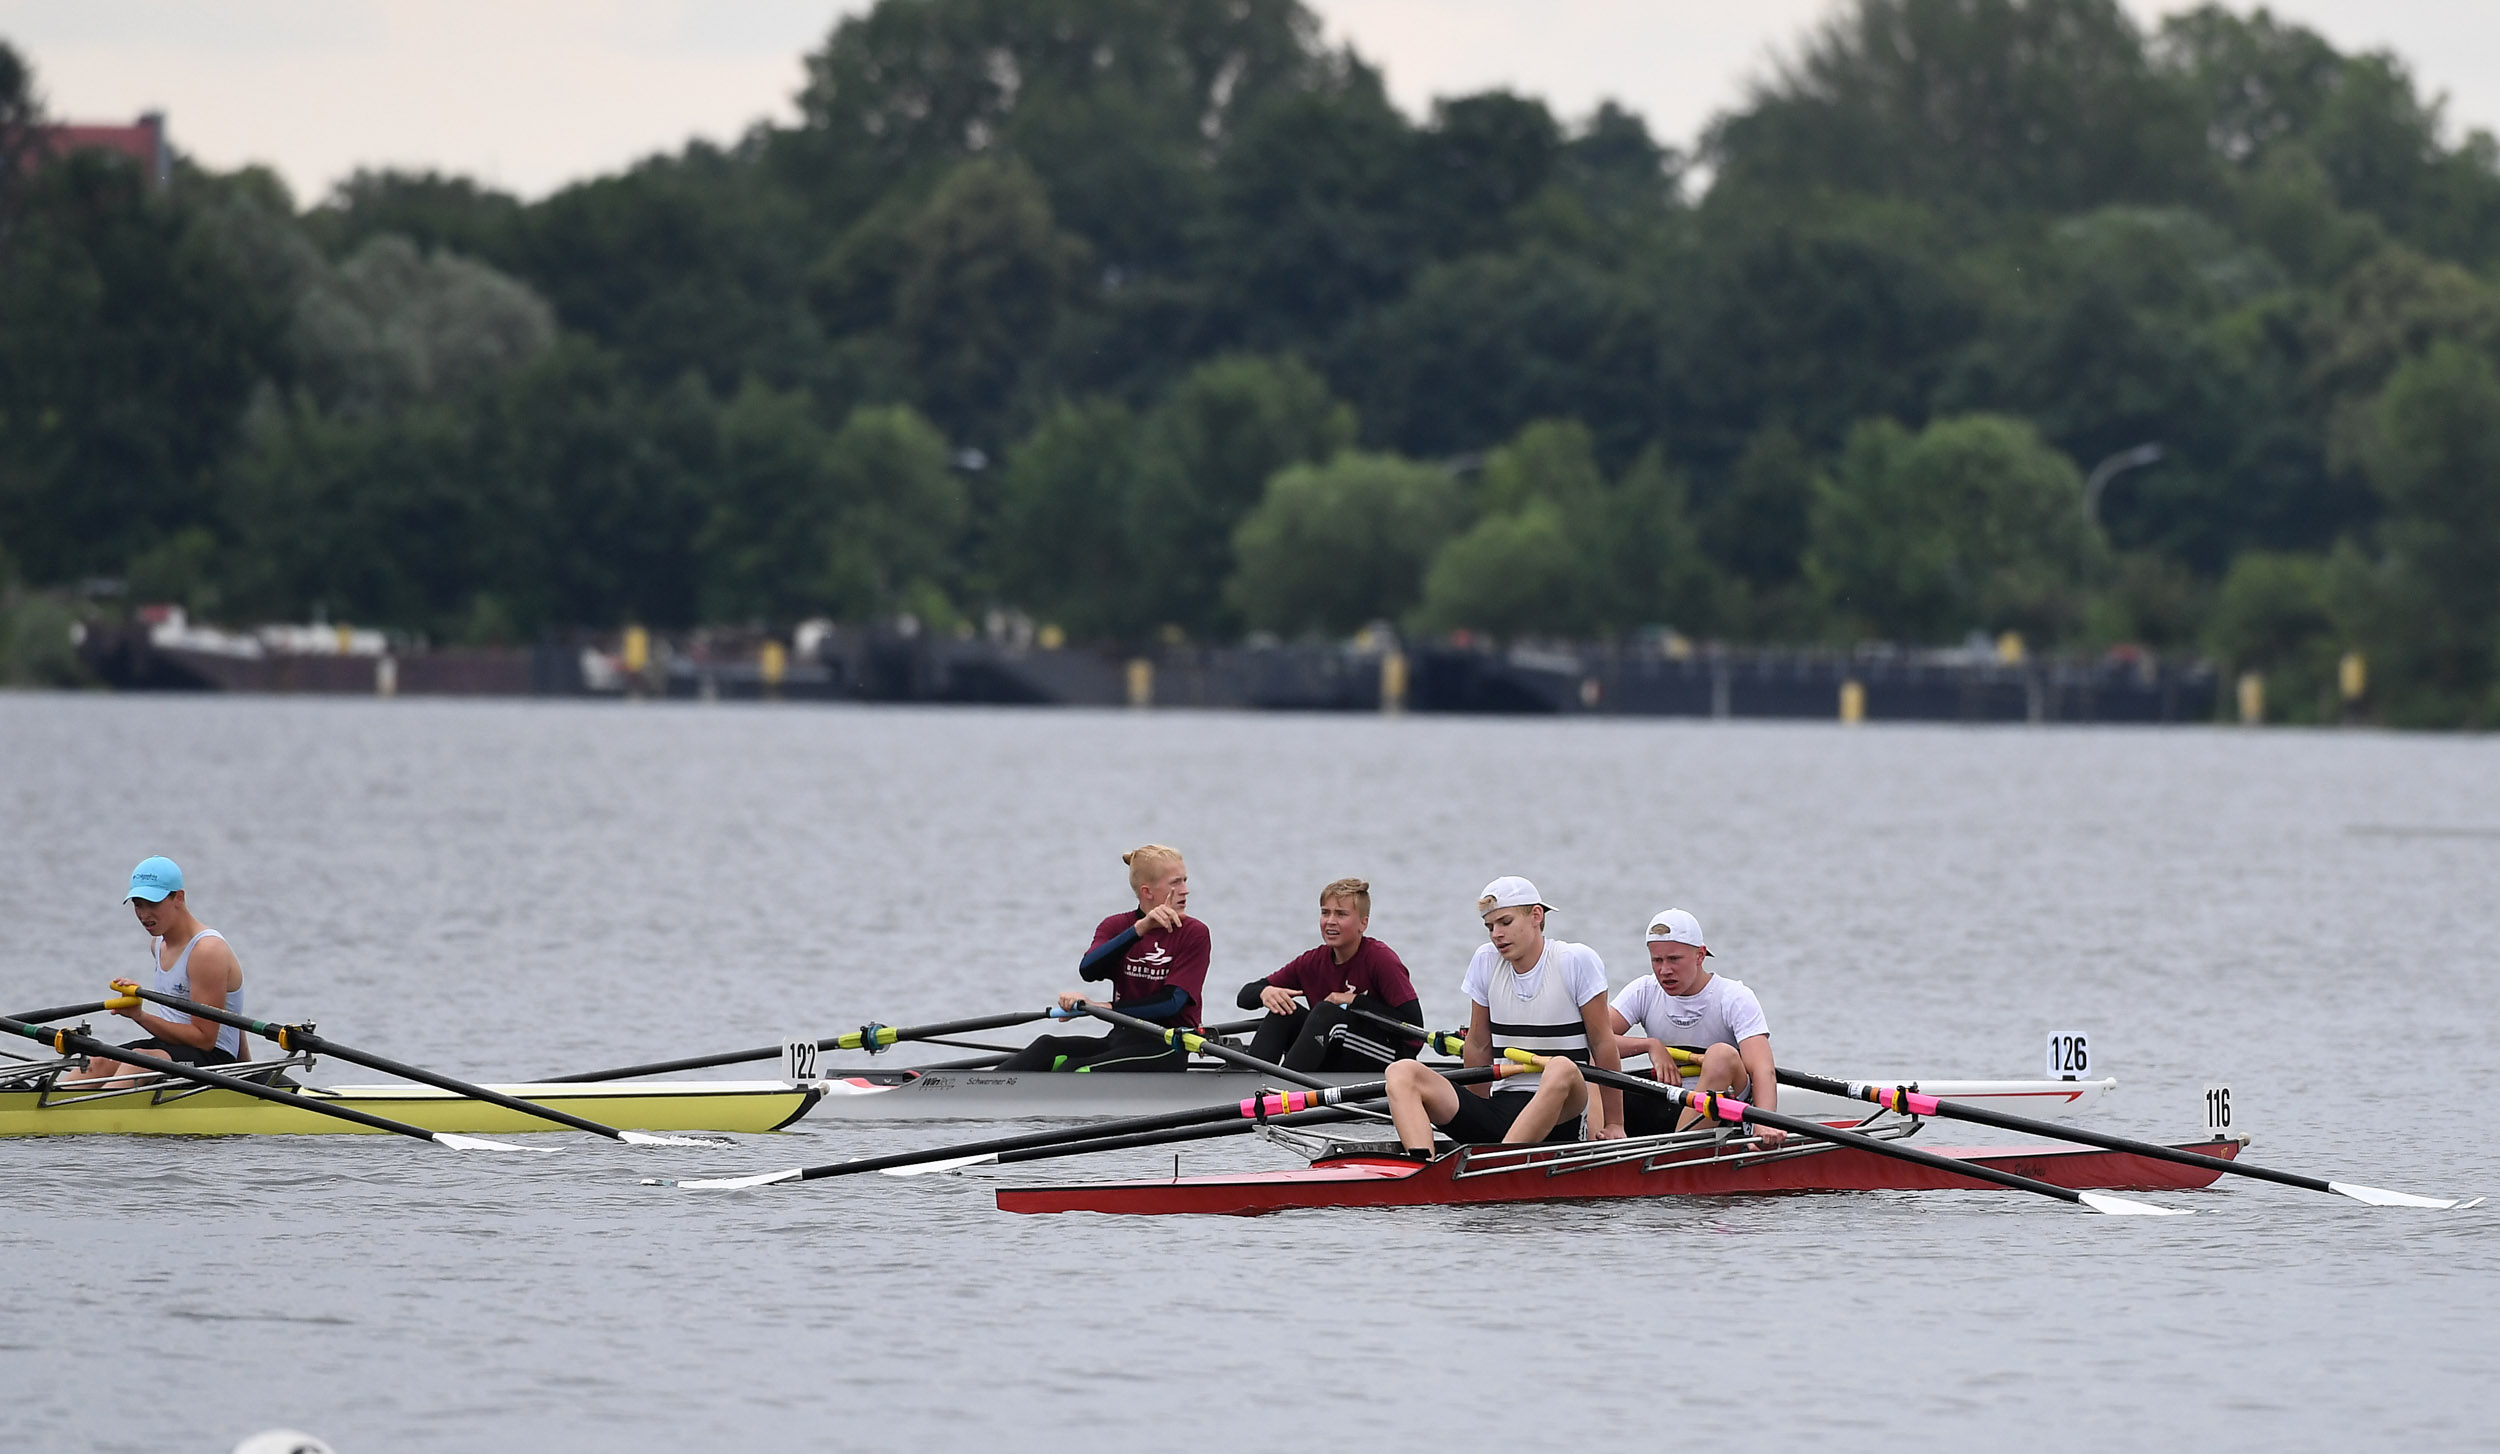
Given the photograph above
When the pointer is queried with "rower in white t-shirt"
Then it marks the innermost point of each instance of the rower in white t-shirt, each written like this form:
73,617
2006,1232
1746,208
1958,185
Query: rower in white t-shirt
1528,992
1682,1004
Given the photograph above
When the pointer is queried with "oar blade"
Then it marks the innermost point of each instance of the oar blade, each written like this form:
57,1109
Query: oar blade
480,1143
925,1167
2380,1197
647,1138
731,1183
2128,1207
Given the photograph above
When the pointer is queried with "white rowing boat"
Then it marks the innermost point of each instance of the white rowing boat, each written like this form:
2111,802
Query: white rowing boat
1037,1095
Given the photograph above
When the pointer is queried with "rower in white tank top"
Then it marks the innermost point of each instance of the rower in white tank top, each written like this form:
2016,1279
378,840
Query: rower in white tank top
176,980
203,969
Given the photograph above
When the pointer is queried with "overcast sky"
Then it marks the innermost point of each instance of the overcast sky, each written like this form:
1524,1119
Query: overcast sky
531,94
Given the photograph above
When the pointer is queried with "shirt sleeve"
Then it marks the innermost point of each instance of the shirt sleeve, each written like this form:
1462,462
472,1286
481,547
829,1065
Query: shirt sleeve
1632,1002
1479,981
1586,976
1744,1014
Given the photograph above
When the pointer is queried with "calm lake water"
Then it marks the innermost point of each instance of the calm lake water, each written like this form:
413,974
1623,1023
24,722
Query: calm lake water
504,890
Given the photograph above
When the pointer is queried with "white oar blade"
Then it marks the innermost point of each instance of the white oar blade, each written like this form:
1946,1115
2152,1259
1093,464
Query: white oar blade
645,1138
925,1167
480,1143
2380,1198
2123,1207
732,1183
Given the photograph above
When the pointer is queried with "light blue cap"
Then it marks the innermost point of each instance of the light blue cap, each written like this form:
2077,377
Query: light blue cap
153,879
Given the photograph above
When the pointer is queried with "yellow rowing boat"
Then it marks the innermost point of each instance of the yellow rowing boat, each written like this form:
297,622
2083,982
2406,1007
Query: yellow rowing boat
173,1108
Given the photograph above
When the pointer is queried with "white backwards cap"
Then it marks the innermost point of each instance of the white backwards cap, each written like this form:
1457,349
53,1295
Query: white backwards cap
1674,926
1509,892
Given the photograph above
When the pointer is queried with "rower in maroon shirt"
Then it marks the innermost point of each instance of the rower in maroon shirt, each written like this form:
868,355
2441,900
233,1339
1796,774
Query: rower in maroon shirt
1348,969
1156,960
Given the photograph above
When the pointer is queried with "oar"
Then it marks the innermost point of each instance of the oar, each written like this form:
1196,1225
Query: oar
870,1037
292,1038
1196,1043
63,1012
65,1042
1911,1103
1736,1112
1322,1115
1451,1042
1256,1109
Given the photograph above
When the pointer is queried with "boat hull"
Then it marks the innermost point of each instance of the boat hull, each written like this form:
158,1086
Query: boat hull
755,1106
1482,1174
995,1095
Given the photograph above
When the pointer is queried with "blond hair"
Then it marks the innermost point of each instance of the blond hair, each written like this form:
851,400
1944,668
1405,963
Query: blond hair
1355,891
1146,864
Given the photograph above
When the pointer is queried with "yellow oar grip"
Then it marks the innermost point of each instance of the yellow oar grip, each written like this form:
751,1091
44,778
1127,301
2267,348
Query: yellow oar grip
123,1002
1523,1057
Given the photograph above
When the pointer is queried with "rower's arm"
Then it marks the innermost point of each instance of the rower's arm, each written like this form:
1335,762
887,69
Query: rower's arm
1478,1050
1103,960
1755,1051
1597,1018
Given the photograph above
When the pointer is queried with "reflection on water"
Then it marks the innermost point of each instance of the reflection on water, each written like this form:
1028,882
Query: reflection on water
515,888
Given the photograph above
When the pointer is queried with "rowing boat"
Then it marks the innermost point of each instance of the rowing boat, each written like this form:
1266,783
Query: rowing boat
1040,1095
1698,1163
161,1106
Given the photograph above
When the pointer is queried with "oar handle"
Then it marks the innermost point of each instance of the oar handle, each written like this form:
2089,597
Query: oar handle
69,1041
1451,1042
63,1012
1191,1040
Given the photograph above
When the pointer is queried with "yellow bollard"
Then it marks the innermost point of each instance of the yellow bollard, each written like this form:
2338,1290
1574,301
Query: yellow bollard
347,639
1852,702
637,650
1051,638
1141,682
2010,648
1393,682
2252,698
2352,674
772,664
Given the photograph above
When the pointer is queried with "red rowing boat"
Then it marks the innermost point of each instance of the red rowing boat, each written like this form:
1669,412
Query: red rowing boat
1600,1170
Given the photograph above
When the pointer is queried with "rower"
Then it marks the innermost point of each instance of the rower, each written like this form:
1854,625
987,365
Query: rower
191,961
1348,969
1547,996
1683,1005
1156,960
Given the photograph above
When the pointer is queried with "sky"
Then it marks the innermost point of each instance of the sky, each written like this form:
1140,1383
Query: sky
528,95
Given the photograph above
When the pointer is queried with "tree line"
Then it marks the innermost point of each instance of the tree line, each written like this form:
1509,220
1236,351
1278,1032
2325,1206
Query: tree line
1156,319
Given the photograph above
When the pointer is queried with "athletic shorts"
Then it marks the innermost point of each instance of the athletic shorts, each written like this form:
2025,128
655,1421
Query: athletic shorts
1485,1120
1648,1115
183,1054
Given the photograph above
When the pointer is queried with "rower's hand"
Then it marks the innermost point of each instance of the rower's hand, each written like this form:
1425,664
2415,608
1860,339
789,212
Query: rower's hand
1342,997
1611,1131
130,1011
1070,999
1278,1000
1771,1137
1161,916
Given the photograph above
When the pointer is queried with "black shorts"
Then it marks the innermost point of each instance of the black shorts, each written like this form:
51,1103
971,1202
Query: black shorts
181,1054
1485,1120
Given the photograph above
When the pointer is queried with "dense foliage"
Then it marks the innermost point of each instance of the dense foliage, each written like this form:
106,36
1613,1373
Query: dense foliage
1155,317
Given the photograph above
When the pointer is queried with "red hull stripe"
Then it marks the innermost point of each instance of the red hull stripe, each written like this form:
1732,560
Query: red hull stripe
1367,1182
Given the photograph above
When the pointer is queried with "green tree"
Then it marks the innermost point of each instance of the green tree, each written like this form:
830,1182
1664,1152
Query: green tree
1332,547
2274,615
1204,457
1514,574
900,514
1971,523
1062,544
2040,105
392,325
2436,462
984,275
